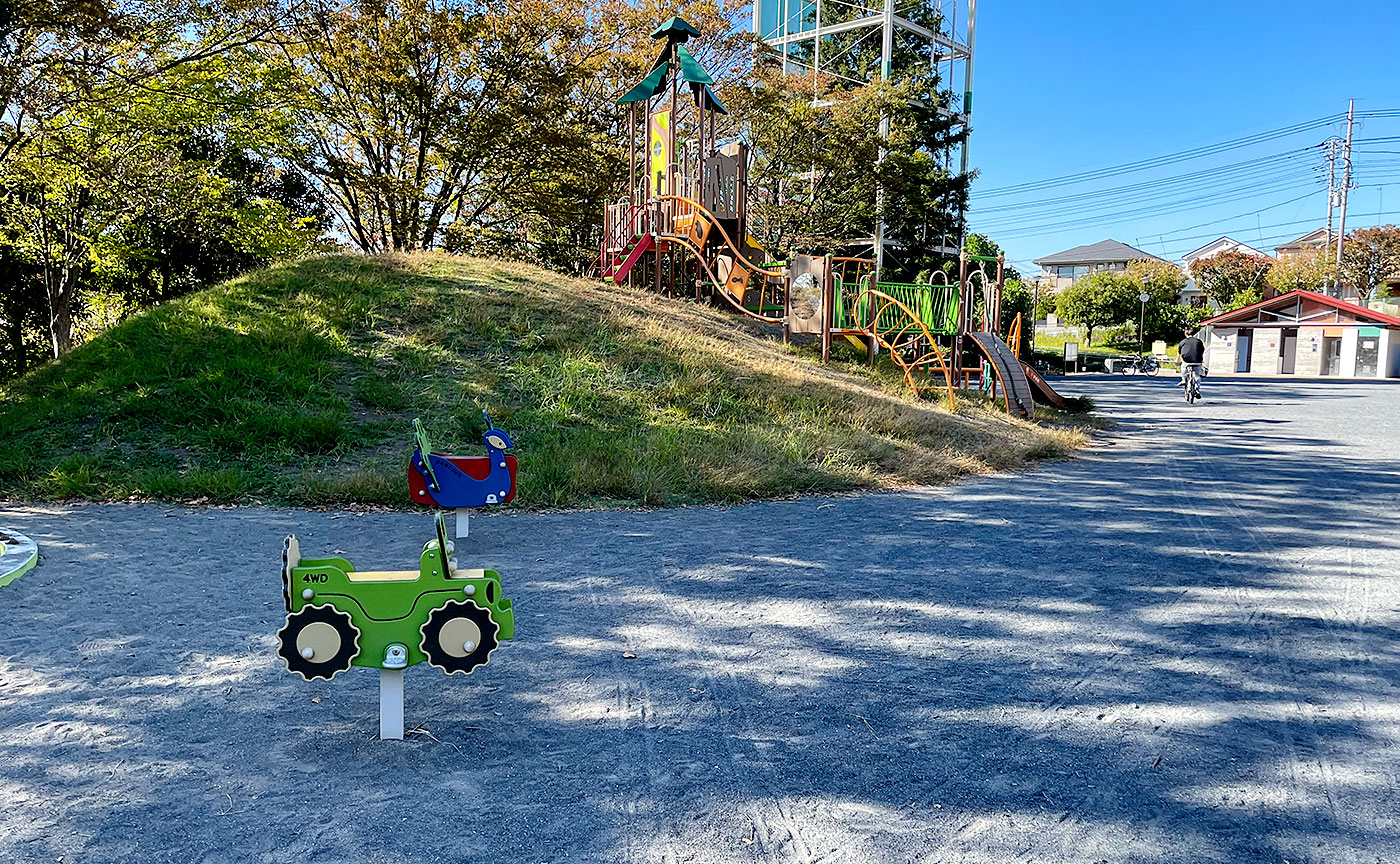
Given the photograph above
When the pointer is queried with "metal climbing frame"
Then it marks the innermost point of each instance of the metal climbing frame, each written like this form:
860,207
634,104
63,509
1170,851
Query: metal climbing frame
924,43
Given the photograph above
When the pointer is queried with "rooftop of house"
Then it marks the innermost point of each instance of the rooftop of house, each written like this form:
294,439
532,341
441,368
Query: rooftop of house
1298,305
1103,251
1312,240
1222,245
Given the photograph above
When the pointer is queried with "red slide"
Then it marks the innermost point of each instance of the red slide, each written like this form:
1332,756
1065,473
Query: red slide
1042,390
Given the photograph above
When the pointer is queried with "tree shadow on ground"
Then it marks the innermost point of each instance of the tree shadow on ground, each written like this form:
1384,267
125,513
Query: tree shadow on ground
1178,650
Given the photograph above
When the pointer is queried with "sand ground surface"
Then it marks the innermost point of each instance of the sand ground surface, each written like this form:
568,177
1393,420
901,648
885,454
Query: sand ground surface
1181,646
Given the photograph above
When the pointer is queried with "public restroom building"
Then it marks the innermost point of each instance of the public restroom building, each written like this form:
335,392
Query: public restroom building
1306,334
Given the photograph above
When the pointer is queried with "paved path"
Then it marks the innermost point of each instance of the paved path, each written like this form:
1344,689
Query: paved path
1182,647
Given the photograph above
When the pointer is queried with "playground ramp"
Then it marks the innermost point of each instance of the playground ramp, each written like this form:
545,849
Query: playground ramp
1011,374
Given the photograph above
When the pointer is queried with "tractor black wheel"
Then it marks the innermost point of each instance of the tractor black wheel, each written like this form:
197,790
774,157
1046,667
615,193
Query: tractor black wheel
318,642
459,636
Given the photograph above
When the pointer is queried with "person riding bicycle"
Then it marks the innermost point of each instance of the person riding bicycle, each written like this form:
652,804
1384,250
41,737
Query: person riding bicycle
1193,353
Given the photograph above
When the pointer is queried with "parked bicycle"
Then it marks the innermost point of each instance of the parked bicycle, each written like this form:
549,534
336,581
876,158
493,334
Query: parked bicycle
1146,364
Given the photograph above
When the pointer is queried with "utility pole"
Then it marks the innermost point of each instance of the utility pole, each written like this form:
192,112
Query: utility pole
1331,183
1346,179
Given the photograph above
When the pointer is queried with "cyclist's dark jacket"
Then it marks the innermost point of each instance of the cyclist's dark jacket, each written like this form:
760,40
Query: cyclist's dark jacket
1192,350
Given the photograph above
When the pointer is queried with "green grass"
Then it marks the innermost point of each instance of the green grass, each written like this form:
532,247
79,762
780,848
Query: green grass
297,384
1056,344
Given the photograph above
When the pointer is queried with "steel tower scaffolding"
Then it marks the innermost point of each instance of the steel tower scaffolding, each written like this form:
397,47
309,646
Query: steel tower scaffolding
898,40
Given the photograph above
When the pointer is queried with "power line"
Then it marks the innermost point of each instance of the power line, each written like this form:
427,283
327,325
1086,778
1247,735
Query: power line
1019,215
1219,186
1191,177
1251,190
1169,159
1237,216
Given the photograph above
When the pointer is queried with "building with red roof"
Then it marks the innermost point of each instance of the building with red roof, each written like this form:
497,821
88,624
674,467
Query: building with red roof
1306,334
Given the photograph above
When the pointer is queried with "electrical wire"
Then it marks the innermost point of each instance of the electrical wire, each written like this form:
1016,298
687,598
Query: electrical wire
1293,170
1240,193
1168,159
1190,177
1257,177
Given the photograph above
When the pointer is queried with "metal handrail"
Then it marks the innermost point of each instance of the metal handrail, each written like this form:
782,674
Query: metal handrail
685,242
714,220
871,328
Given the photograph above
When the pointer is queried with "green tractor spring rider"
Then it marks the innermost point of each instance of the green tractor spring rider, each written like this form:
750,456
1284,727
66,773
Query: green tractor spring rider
451,617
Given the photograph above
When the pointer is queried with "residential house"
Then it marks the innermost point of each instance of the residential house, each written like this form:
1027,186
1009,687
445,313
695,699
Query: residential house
1308,243
1060,270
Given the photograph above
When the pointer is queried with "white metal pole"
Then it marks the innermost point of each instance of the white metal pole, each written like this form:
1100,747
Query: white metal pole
967,75
391,704
886,62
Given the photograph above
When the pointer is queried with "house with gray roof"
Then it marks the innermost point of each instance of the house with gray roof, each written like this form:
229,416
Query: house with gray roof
1059,271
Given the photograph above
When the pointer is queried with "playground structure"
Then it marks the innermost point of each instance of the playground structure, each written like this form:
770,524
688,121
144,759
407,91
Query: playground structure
18,555
682,228
448,616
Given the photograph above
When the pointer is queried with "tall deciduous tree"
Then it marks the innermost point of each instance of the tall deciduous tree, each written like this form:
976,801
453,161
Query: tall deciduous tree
1162,316
420,114
1099,300
1370,257
1306,271
1232,279
95,97
57,55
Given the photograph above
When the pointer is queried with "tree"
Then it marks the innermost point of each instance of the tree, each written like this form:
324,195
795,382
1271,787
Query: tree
1370,257
95,97
1163,316
1098,300
822,176
984,246
1306,271
21,310
259,213
419,115
59,55
1016,299
1232,279
107,183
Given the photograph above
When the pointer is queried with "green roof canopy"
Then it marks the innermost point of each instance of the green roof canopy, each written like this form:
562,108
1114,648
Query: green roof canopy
711,100
654,83
691,70
676,29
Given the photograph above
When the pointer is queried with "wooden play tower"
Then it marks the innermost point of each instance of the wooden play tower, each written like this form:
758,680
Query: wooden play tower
681,228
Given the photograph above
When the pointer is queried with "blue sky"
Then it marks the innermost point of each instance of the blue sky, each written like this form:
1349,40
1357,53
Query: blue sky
1073,85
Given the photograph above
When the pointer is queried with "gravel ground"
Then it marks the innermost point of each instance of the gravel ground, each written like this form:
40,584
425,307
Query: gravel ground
1180,647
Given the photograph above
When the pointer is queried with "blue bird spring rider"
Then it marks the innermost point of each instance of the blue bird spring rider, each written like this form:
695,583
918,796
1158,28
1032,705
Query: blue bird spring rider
460,482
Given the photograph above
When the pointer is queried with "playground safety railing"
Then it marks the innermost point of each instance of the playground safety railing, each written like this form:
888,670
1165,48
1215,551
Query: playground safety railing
935,305
624,221
909,342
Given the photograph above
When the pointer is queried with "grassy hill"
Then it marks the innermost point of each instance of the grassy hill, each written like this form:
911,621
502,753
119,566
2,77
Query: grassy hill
297,384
